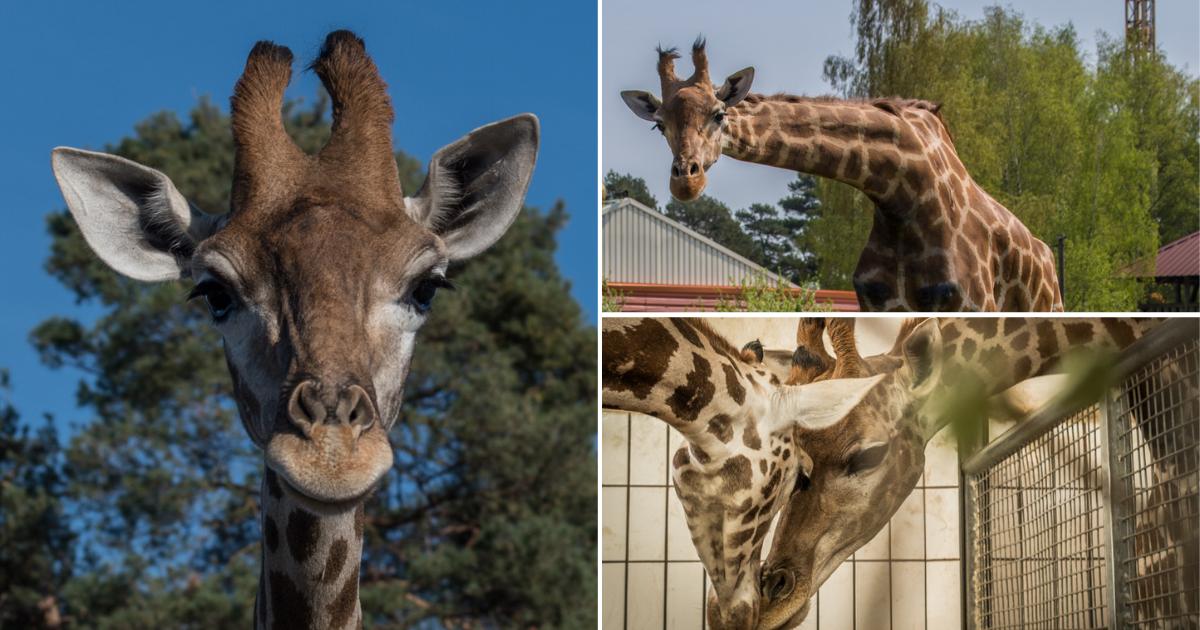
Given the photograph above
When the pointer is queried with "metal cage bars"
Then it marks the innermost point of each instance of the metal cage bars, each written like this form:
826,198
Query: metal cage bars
1050,502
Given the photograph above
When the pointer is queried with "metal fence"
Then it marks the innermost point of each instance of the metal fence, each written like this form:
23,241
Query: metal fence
1090,518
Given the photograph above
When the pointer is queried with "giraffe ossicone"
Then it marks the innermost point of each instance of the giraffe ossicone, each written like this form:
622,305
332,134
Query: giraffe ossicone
939,241
318,279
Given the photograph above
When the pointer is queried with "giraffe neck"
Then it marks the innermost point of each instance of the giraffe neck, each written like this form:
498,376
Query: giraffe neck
852,142
311,560
1002,352
683,373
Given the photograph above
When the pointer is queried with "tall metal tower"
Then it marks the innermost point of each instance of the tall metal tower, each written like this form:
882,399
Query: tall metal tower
1139,24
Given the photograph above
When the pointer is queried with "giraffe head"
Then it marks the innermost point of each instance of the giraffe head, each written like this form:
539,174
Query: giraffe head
691,116
739,463
864,466
322,272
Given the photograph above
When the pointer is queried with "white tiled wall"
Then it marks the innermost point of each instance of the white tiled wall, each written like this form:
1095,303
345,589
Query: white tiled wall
907,577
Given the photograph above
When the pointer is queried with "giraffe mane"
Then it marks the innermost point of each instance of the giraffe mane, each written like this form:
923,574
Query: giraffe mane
718,341
894,105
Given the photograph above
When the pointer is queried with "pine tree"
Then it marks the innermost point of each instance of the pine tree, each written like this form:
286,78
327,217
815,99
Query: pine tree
713,219
622,185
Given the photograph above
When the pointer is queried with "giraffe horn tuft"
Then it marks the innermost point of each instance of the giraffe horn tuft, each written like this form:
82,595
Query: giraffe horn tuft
700,61
256,112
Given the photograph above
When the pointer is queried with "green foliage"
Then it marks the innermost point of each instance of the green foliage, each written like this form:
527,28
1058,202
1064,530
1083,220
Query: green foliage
775,230
611,300
35,540
836,237
625,186
713,219
490,514
1105,155
761,294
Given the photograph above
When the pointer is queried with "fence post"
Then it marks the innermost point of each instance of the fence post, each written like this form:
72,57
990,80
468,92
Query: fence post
1116,491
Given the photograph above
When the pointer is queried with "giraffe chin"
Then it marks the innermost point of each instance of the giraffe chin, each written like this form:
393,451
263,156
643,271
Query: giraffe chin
331,466
786,612
688,188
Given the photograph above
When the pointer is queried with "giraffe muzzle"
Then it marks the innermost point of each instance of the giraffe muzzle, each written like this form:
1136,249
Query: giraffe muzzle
688,178
312,405
334,448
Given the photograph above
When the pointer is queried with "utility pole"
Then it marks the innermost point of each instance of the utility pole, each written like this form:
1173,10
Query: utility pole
1139,25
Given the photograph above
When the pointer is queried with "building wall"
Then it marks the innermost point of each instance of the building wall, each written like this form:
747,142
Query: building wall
641,247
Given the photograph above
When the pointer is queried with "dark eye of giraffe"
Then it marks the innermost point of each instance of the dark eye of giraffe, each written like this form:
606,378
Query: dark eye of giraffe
803,482
660,128
719,117
425,289
866,458
219,299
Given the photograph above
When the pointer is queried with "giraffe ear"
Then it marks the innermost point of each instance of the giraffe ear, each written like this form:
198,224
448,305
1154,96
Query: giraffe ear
644,104
130,215
923,356
736,87
821,404
476,185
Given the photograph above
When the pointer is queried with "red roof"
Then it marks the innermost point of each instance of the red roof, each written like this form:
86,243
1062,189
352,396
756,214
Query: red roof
1180,258
659,298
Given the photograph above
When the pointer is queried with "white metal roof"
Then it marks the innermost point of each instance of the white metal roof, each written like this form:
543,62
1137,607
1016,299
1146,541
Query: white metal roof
643,245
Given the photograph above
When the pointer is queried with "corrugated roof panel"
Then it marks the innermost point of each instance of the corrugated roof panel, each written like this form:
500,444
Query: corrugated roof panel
642,245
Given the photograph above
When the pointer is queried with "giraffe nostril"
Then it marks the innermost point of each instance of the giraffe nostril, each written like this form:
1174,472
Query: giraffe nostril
694,169
355,408
305,407
675,172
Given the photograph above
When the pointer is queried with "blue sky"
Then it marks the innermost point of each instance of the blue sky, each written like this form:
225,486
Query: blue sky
787,42
83,73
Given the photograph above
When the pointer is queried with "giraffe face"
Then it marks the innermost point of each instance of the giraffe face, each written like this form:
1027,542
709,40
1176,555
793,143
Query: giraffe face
728,509
319,309
693,123
691,116
864,466
731,495
320,277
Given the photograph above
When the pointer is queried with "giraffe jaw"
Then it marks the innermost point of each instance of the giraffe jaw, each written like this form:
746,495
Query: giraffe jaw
331,467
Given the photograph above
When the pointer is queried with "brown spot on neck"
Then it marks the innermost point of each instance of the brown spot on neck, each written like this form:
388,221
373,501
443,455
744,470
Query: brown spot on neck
303,529
270,533
635,359
688,399
290,610
342,608
720,427
335,561
733,384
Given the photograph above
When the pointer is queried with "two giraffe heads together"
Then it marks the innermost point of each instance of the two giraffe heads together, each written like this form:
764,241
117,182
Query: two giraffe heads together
761,440
322,271
832,447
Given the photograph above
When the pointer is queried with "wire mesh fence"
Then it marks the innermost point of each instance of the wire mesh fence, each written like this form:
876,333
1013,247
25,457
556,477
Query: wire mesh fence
1091,518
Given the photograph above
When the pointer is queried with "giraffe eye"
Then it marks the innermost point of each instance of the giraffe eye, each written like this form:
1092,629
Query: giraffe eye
866,458
660,128
719,117
425,289
803,482
220,300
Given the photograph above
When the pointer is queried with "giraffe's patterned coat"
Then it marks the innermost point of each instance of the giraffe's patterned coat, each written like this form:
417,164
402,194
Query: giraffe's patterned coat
939,242
835,458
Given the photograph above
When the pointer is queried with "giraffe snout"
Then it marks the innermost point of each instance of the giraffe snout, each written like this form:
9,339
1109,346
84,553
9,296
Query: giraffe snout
313,403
